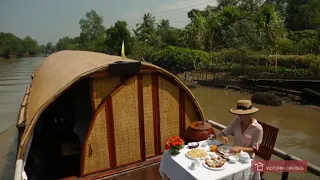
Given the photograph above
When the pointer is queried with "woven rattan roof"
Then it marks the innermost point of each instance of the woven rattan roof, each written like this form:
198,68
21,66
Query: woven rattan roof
58,72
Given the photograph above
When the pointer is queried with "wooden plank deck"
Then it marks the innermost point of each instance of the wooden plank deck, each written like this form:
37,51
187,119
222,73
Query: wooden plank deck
150,172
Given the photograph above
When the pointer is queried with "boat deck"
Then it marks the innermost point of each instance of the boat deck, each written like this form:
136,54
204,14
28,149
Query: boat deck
150,172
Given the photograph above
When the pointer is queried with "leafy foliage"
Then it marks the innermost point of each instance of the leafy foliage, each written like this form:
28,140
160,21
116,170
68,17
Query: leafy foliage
10,45
240,36
114,37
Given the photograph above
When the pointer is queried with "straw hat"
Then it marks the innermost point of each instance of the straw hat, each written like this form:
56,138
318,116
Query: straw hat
244,107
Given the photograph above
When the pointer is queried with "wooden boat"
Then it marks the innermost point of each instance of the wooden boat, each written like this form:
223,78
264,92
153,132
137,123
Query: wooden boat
90,115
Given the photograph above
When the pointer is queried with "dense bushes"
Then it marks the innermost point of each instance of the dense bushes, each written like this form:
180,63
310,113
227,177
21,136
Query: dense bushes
238,62
178,60
266,99
11,45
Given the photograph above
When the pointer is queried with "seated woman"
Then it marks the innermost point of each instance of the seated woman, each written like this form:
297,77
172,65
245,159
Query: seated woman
247,131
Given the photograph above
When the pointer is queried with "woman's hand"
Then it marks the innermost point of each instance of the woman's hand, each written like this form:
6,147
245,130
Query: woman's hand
236,149
224,139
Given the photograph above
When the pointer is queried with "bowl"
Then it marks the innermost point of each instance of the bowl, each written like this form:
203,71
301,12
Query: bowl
193,145
213,154
233,159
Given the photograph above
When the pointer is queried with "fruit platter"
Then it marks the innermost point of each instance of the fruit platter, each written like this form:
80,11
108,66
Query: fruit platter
215,163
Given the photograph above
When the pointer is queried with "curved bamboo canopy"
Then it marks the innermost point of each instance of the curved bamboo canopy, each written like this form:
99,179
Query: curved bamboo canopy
60,71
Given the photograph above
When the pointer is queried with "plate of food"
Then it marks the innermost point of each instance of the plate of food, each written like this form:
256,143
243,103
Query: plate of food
197,154
224,149
216,163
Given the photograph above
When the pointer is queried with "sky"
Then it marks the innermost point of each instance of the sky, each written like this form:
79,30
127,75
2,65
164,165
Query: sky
50,20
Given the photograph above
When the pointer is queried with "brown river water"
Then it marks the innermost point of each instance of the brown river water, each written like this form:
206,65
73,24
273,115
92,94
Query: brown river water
299,127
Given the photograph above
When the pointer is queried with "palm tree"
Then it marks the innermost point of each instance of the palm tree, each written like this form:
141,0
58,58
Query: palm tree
225,3
146,27
164,24
147,23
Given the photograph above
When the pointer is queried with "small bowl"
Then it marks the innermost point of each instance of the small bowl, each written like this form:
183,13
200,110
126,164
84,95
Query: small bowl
213,154
226,155
233,159
193,145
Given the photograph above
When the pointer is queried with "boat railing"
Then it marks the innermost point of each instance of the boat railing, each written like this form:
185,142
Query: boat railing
311,168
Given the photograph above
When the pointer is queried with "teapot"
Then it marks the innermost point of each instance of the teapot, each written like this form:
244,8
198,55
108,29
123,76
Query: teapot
244,156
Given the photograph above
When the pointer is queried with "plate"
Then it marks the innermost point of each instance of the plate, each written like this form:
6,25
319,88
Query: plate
197,158
214,169
224,149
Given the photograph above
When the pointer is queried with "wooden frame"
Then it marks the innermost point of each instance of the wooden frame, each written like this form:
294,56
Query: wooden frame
182,114
141,117
84,148
156,115
110,132
107,104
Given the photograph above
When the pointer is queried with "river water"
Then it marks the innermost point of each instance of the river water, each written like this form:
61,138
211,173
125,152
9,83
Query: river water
299,127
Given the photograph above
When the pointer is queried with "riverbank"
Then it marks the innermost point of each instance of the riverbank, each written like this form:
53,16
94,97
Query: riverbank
292,91
23,56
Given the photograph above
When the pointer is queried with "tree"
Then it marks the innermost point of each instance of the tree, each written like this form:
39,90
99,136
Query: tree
30,46
243,34
114,37
92,36
197,31
42,48
303,14
305,41
224,3
49,47
67,43
164,24
272,25
172,37
9,45
250,5
146,27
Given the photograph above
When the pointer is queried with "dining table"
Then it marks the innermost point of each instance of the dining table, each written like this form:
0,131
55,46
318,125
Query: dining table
177,167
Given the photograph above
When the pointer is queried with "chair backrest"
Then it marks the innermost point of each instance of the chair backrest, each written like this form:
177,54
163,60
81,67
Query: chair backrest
270,134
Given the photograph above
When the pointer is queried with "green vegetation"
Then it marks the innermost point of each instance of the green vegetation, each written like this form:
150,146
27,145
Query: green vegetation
266,99
10,45
239,36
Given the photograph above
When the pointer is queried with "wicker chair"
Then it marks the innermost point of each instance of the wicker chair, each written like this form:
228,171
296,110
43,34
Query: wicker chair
270,134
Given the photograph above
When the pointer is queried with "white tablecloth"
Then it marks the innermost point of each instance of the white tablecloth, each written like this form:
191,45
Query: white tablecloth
176,168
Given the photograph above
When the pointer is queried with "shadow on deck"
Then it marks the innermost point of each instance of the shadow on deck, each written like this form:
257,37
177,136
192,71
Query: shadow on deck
150,172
